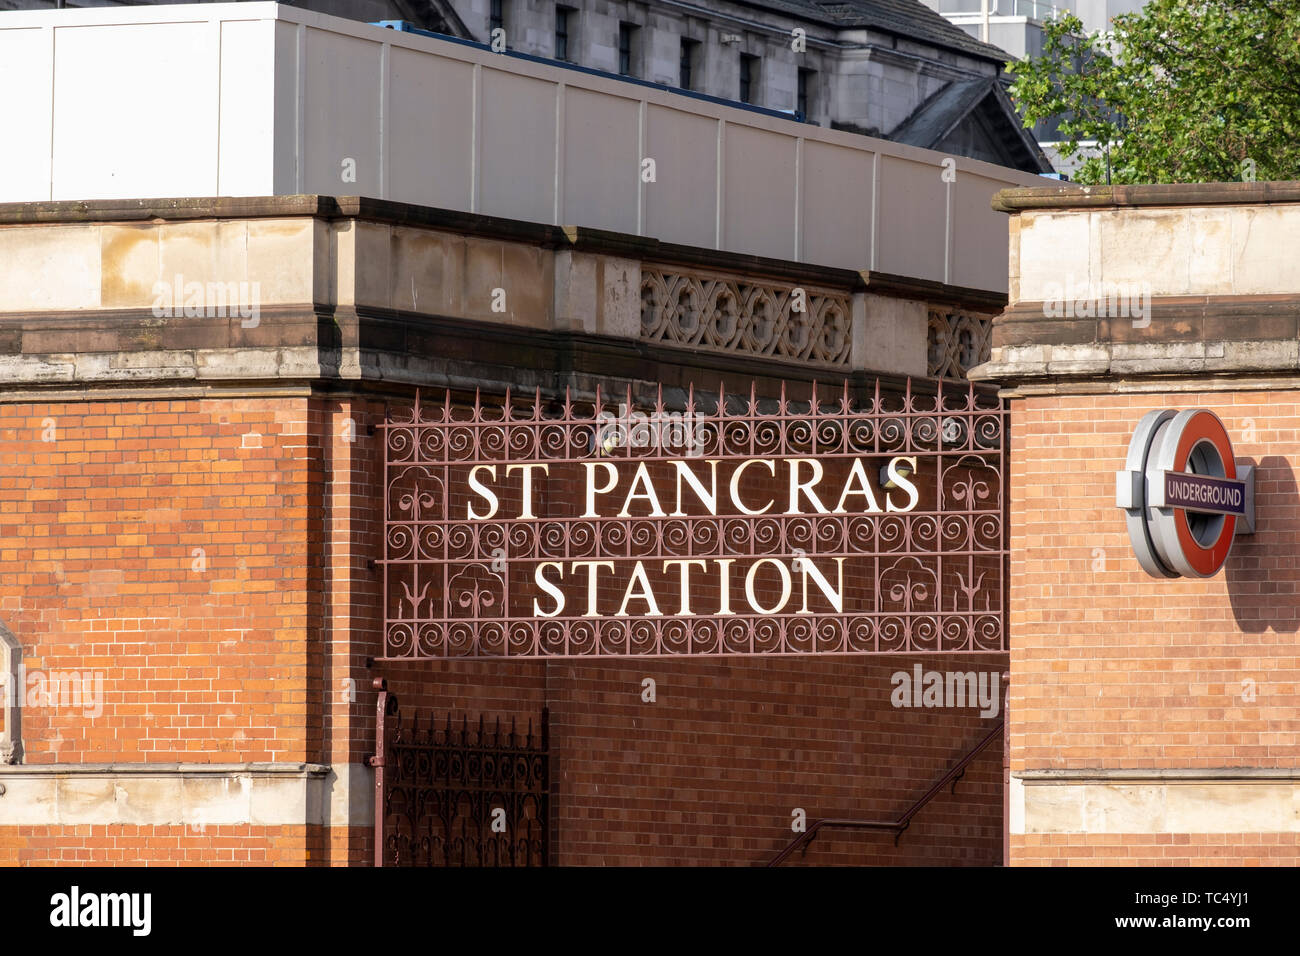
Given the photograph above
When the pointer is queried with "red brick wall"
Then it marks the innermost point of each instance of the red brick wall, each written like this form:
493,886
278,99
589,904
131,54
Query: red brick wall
1115,669
1156,849
128,845
251,658
710,772
100,528
204,657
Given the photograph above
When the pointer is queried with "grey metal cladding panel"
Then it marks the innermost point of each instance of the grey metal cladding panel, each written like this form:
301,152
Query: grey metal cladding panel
912,216
759,204
980,234
518,116
431,107
836,185
681,206
601,165
285,132
342,114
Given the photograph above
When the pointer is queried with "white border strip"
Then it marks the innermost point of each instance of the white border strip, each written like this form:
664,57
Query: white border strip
192,795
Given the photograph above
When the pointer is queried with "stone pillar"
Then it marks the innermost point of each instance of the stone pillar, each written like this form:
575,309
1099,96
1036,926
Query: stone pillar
1152,720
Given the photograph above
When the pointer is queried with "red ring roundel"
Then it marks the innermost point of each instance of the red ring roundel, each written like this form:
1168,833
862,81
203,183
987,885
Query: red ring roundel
1204,426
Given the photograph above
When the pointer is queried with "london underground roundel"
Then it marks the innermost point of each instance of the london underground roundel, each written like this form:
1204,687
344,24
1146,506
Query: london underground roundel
1183,493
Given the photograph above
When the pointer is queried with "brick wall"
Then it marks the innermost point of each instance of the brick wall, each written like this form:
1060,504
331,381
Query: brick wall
128,845
1115,669
160,550
711,771
163,545
254,649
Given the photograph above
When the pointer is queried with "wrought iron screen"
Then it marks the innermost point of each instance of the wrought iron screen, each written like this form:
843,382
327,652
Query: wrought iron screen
456,793
556,529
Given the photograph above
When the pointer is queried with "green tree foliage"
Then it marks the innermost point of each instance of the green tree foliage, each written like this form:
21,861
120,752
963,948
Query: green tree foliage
1183,91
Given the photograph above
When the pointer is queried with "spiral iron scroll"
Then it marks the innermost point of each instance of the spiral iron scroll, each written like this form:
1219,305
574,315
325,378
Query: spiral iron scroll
937,573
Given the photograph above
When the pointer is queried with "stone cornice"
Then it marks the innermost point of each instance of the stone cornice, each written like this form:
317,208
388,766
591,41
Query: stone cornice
1169,194
575,238
322,347
1184,775
1237,335
194,795
165,769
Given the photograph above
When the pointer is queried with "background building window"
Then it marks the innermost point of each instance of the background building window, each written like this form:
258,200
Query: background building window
804,97
748,77
690,51
562,20
496,15
626,47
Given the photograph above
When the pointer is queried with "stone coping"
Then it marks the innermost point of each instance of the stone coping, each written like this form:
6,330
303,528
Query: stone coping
160,769
186,794
1124,365
574,238
1173,775
1166,194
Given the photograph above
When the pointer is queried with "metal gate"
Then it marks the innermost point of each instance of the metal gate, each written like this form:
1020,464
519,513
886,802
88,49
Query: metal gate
467,795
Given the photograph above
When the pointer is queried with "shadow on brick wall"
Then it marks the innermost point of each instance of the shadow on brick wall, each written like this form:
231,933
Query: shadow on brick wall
1263,570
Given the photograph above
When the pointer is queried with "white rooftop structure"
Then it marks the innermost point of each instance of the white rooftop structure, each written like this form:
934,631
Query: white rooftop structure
256,99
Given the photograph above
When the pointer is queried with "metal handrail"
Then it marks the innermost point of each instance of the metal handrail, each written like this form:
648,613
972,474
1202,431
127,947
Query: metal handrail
955,773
